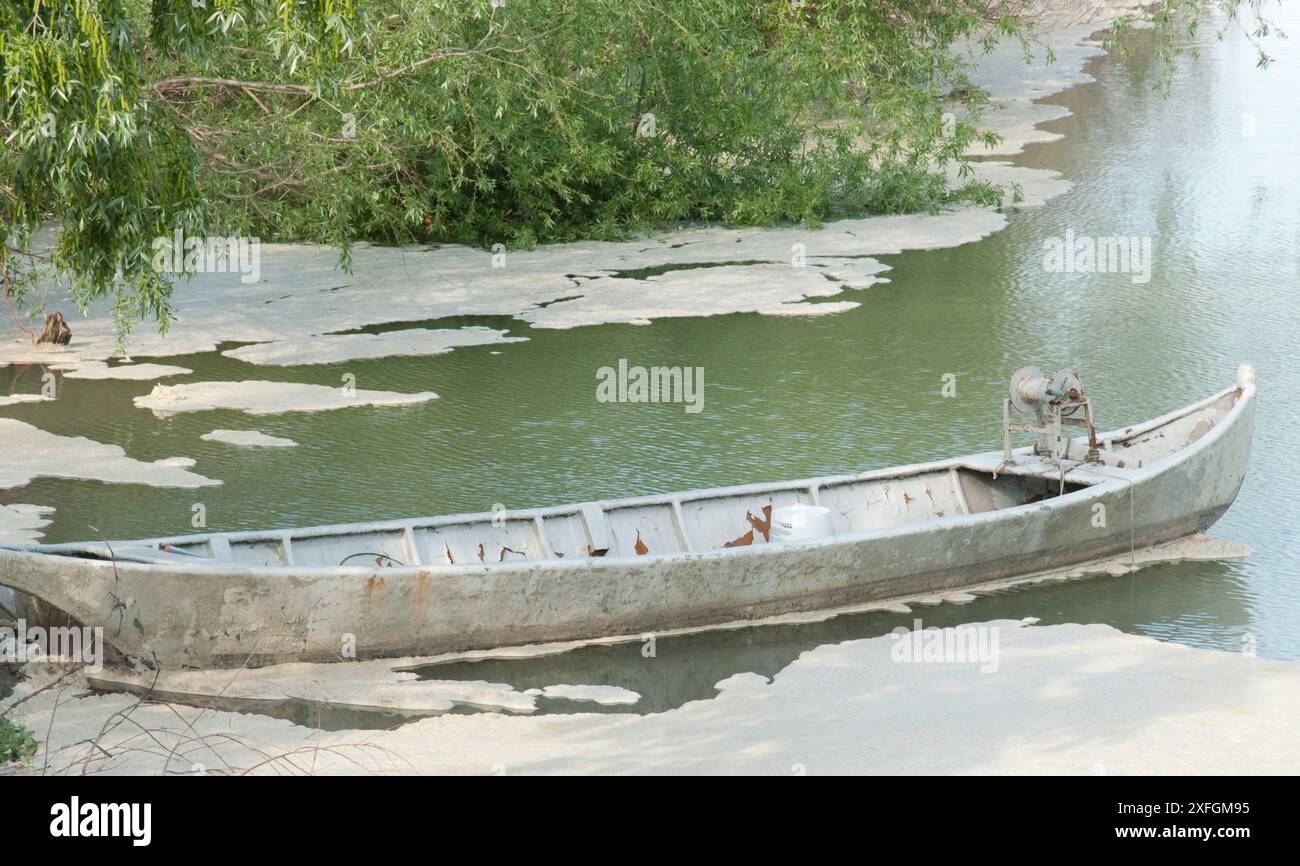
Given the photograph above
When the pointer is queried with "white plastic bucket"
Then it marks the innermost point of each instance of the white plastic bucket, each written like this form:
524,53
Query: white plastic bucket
800,522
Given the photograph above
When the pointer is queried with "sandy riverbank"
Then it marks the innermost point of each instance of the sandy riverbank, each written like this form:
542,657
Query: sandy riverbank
1073,699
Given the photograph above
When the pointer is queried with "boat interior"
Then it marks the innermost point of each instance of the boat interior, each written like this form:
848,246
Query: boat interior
701,520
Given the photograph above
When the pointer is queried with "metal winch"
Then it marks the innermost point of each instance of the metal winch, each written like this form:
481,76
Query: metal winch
1055,403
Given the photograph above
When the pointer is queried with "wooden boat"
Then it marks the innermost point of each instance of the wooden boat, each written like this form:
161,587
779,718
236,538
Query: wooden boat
631,566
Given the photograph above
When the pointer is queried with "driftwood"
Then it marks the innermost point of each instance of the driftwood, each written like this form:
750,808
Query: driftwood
55,331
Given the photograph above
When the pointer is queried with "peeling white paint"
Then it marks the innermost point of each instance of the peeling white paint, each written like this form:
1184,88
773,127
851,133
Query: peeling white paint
1193,548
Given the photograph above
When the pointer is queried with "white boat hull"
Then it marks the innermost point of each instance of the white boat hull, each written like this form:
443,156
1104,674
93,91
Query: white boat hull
219,609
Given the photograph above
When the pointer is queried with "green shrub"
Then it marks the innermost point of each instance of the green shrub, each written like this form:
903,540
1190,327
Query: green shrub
477,121
16,743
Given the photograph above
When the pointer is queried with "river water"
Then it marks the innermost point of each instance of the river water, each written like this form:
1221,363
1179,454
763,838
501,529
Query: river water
1209,174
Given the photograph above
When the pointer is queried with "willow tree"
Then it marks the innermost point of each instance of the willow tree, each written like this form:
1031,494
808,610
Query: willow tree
476,121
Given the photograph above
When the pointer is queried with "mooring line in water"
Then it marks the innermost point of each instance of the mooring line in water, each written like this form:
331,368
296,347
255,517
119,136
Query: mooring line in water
1132,520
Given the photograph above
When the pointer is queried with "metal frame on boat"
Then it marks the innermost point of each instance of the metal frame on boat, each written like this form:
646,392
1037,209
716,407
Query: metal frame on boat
629,566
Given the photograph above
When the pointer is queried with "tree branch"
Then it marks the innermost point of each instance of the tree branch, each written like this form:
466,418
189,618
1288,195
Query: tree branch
181,83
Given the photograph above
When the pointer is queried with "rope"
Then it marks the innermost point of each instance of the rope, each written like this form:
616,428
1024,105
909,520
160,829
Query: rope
1095,468
1132,518
371,553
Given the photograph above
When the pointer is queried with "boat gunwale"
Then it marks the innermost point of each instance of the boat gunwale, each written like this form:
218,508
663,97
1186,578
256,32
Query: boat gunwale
983,463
